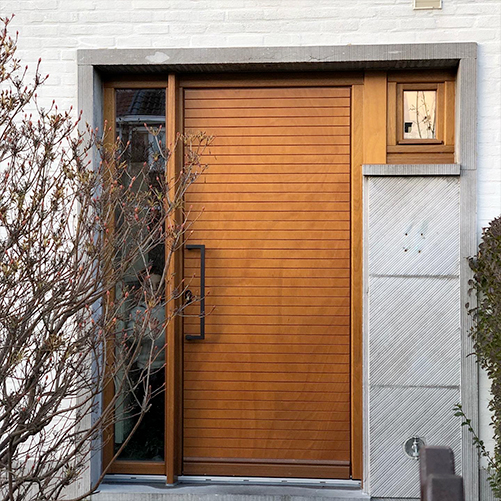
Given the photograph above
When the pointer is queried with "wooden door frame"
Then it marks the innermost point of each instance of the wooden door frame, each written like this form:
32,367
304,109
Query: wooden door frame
174,85
109,87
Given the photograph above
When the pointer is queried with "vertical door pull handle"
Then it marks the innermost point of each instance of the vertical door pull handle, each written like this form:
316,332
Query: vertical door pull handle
200,247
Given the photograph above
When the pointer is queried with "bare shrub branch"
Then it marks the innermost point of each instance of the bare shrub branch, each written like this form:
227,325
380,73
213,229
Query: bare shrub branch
70,233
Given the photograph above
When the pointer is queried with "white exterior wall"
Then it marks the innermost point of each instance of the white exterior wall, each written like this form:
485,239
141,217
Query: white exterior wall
55,29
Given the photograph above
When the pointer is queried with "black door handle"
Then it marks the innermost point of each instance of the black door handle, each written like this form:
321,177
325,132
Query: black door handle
201,247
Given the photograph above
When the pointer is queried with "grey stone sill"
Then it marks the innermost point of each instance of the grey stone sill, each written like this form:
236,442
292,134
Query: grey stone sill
411,170
182,492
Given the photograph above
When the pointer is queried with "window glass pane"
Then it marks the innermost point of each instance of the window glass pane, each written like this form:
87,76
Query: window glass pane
420,114
139,115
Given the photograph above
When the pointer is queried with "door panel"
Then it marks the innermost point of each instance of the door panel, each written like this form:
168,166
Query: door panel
267,392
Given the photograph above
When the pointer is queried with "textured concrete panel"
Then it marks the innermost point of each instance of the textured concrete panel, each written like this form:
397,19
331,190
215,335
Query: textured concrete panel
414,331
397,414
413,226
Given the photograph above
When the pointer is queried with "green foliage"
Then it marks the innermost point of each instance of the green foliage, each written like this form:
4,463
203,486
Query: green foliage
486,335
494,473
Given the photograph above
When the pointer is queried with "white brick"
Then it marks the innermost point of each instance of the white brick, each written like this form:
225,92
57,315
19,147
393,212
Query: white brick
159,29
139,42
45,5
279,40
455,22
245,15
181,41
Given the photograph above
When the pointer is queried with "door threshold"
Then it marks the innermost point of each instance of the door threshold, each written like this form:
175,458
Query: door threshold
299,482
130,478
206,480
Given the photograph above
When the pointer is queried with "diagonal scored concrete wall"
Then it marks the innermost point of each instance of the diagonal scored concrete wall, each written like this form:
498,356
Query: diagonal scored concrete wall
413,334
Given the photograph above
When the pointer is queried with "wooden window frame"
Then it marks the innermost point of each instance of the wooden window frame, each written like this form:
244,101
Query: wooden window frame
128,466
438,150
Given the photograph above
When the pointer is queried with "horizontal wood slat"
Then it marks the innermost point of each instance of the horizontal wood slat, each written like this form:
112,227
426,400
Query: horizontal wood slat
306,321
265,358
281,282
269,225
267,101
273,311
263,167
279,348
267,112
271,122
268,216
268,93
258,158
200,466
332,254
311,398
270,384
278,453
218,301
278,273
277,330
279,405
313,445
262,435
288,386
209,197
279,339
255,132
261,187
299,141
340,366
322,377
274,262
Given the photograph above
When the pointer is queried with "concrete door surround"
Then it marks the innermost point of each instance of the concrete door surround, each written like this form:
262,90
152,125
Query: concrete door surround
93,64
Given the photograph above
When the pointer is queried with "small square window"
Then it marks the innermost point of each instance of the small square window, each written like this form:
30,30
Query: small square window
420,114
420,111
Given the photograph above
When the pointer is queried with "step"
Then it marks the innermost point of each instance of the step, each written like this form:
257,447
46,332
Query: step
218,492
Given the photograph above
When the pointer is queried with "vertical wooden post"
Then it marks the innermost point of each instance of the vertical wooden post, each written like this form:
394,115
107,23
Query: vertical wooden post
449,112
375,104
357,102
172,335
369,138
109,389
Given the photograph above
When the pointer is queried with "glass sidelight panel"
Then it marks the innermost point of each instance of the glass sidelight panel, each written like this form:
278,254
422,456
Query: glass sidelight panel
140,119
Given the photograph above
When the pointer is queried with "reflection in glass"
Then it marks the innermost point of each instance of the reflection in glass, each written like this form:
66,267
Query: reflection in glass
420,114
139,114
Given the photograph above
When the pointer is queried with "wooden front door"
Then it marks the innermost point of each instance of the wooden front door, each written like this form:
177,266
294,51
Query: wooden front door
267,392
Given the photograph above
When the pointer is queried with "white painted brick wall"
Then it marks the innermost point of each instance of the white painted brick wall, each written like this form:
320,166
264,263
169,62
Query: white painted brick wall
55,29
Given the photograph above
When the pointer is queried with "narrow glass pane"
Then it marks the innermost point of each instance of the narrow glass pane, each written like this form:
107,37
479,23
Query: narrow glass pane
420,114
139,115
